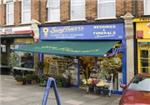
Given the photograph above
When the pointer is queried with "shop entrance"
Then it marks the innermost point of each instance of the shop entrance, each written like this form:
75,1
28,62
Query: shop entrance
144,57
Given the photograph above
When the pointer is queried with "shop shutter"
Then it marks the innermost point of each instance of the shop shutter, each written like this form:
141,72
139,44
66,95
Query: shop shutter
53,10
106,9
77,10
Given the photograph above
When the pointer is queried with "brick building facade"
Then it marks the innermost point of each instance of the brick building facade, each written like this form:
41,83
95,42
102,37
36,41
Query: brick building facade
125,10
40,14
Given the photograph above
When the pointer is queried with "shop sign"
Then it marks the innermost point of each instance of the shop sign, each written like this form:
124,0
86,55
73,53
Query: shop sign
96,31
17,30
143,19
143,30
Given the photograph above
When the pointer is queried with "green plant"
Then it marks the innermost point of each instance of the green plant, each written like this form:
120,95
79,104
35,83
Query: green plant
19,78
13,60
43,80
40,65
28,76
59,80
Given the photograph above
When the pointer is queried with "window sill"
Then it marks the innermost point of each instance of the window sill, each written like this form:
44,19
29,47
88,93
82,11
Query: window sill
77,20
104,18
8,25
52,21
146,15
24,24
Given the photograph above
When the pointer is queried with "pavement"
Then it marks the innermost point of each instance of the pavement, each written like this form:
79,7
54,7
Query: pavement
12,93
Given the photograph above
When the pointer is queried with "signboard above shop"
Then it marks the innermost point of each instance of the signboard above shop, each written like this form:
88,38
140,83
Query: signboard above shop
83,32
142,27
16,30
143,30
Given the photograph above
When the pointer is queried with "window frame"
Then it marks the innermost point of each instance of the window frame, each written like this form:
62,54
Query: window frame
78,19
98,12
145,10
24,11
8,13
49,8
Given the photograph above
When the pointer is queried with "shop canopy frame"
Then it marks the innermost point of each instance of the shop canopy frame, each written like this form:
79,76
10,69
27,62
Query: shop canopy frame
69,48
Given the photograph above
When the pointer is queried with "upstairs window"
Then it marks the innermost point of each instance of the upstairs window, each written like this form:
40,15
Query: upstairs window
146,7
9,12
26,11
77,10
53,10
106,9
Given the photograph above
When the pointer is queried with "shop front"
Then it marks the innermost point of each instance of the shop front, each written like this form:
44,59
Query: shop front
83,53
11,38
143,44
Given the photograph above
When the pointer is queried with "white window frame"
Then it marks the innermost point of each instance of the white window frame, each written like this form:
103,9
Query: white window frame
71,12
50,9
146,12
8,13
99,3
24,11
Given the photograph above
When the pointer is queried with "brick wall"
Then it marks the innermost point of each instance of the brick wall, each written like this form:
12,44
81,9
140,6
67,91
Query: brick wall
140,7
35,9
64,10
91,10
43,11
2,14
17,12
128,6
122,7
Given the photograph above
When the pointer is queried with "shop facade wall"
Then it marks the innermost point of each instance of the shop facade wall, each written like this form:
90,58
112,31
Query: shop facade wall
122,7
64,10
43,11
2,14
35,9
91,9
139,6
17,12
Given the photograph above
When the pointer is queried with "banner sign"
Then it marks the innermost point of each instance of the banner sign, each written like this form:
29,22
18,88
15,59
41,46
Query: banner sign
76,32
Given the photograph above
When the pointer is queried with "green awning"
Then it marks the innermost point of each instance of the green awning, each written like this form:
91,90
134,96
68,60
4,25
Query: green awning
72,48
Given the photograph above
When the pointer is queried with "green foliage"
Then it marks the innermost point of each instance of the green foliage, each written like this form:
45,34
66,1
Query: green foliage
109,65
13,60
19,78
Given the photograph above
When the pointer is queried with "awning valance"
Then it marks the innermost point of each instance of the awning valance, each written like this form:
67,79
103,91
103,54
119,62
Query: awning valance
71,48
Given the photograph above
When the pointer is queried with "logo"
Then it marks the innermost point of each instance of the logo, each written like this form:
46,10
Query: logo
45,31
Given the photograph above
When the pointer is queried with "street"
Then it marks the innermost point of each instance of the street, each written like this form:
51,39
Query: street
12,93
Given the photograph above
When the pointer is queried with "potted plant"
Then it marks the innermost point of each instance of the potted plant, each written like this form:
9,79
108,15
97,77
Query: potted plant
59,81
43,80
19,79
